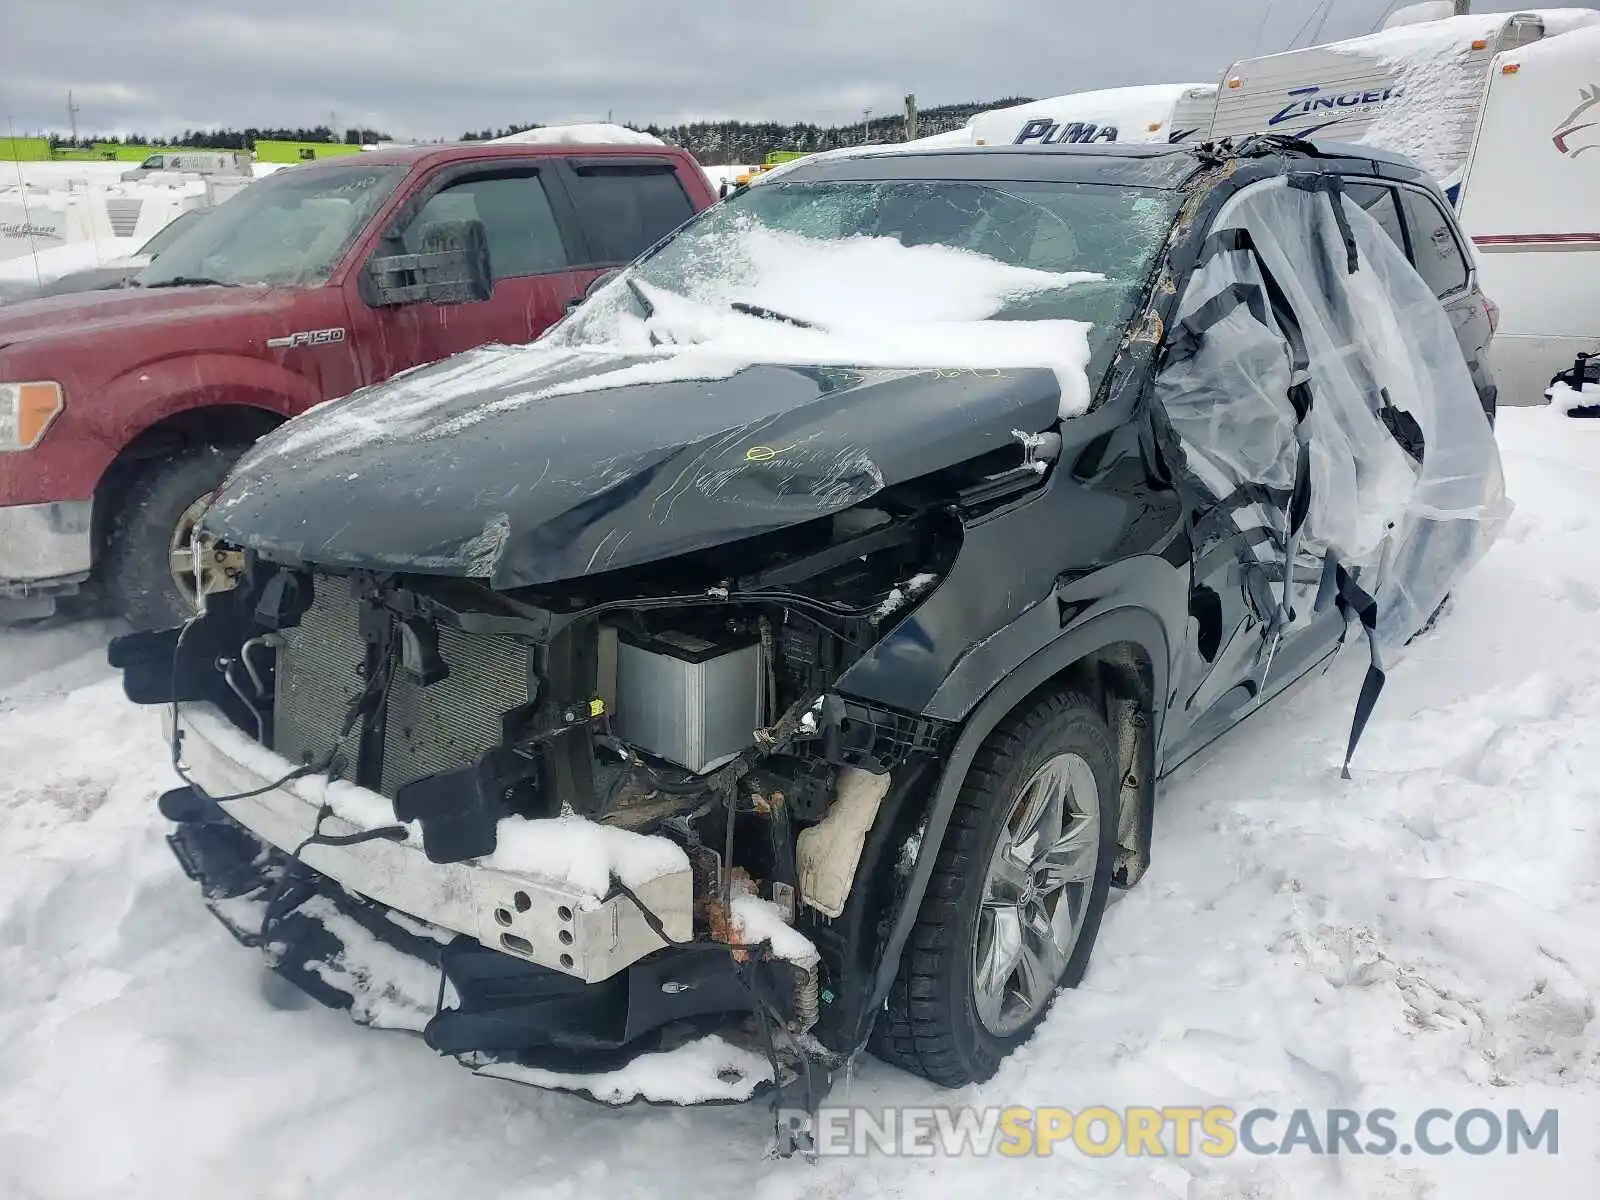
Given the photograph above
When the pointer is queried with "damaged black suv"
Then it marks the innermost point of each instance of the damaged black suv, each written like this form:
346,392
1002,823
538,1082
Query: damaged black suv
779,658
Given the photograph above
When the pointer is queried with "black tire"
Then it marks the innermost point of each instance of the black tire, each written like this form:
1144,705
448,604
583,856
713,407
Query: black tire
136,571
930,1025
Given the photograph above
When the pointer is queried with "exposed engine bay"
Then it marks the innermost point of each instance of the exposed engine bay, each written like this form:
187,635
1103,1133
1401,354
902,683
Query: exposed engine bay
430,746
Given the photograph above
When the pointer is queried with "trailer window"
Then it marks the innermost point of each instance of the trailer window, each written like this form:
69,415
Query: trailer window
1435,251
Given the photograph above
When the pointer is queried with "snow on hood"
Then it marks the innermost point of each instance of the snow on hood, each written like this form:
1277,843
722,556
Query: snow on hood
869,302
596,134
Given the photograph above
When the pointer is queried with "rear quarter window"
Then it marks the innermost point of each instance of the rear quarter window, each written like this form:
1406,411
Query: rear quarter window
626,209
1383,206
1435,250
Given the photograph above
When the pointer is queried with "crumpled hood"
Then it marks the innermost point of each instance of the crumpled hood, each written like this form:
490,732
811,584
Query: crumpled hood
514,465
84,314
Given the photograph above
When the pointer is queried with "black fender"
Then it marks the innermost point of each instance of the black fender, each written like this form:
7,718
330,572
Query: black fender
1094,632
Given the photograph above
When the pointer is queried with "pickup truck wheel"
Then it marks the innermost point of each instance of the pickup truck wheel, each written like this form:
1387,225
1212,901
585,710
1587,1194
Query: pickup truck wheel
150,567
1014,904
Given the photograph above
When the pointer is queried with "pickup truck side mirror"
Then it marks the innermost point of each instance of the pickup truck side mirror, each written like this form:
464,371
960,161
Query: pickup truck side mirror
598,282
451,266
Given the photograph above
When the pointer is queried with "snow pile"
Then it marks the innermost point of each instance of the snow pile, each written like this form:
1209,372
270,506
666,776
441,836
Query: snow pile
388,989
755,920
46,266
903,594
582,854
699,1072
1565,397
596,134
863,301
718,175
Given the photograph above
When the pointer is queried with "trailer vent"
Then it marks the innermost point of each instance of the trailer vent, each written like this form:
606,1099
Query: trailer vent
123,214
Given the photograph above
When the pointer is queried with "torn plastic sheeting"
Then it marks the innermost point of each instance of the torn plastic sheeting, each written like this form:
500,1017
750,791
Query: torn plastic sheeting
1224,391
1370,352
1371,337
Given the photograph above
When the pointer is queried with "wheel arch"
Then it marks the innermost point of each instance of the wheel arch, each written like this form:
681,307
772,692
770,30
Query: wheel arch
239,422
1120,659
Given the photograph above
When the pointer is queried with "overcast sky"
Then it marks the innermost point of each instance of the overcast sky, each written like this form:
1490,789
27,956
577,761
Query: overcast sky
433,68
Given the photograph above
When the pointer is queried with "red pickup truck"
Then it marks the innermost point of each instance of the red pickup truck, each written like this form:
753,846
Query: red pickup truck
121,411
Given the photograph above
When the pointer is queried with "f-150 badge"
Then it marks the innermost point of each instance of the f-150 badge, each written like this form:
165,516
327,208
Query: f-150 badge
306,337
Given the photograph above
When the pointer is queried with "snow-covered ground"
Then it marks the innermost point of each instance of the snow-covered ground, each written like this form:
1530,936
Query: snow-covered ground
1426,934
51,264
60,174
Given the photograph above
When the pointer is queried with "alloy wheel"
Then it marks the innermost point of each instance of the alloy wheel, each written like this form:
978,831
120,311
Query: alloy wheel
1036,894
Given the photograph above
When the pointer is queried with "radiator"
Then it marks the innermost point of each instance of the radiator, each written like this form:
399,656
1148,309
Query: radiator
318,678
451,723
442,727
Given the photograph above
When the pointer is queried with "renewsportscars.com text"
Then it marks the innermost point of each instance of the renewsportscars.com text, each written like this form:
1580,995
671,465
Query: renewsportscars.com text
1216,1132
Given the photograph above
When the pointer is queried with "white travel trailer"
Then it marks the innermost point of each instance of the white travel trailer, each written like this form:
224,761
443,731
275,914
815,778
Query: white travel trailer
1530,202
1161,112
1501,108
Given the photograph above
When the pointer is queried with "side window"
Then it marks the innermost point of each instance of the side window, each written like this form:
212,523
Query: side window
627,209
1435,250
1382,206
521,228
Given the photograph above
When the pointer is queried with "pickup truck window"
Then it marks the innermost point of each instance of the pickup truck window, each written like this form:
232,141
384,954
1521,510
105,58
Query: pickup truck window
521,228
627,209
290,229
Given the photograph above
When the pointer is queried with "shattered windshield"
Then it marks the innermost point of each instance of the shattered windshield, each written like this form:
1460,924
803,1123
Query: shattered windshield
291,228
996,262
